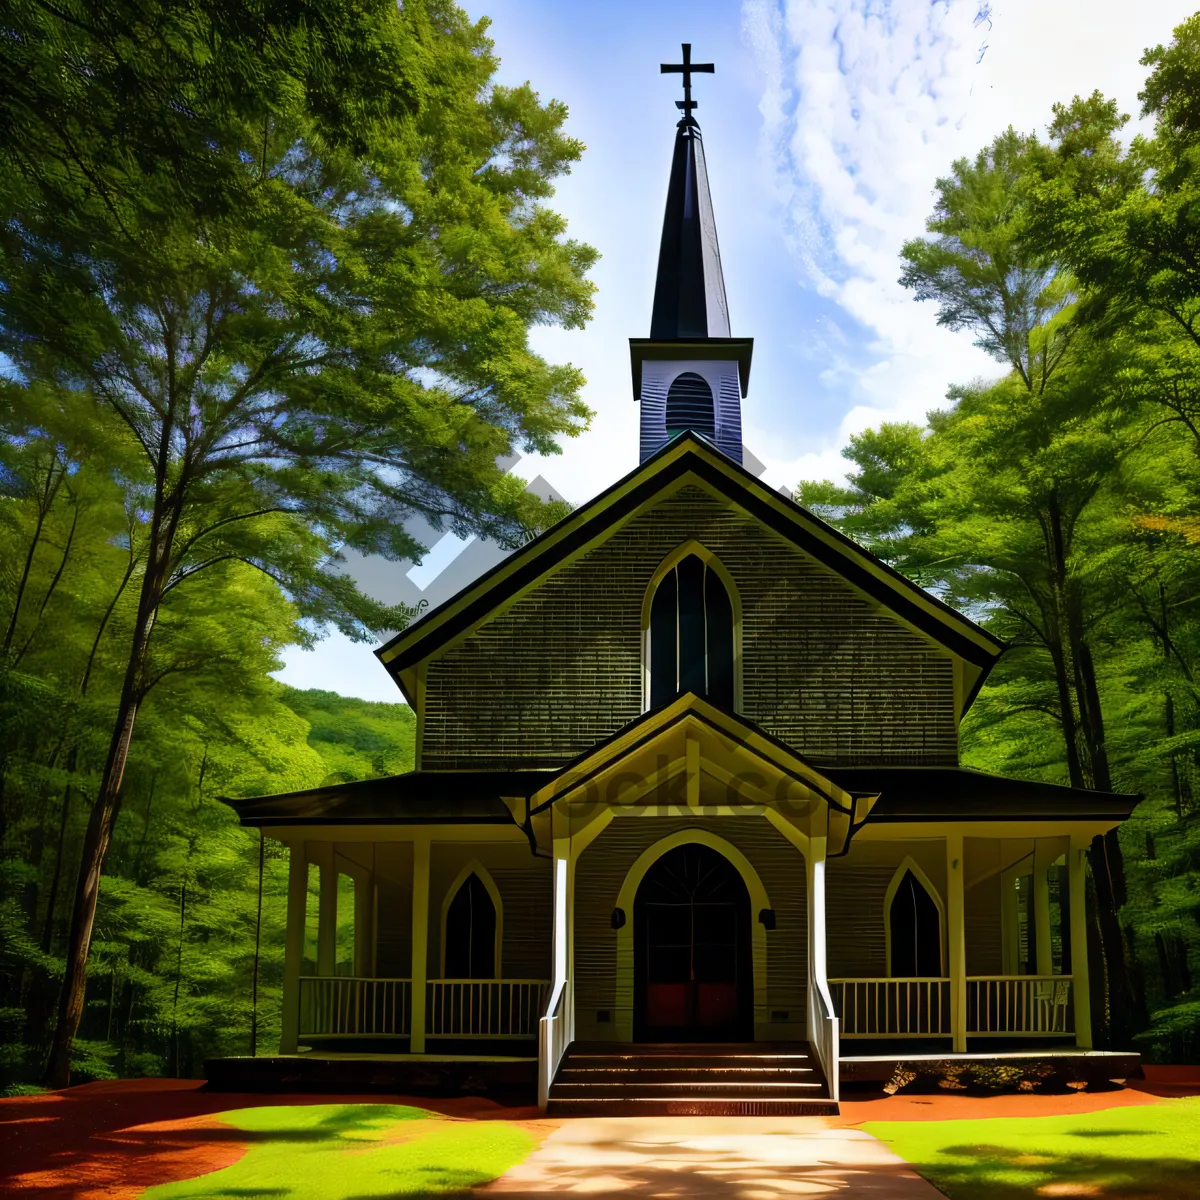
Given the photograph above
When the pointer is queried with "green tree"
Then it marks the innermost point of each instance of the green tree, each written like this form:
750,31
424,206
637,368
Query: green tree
306,295
988,276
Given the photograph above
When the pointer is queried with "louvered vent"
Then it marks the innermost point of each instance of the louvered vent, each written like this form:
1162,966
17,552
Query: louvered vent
690,406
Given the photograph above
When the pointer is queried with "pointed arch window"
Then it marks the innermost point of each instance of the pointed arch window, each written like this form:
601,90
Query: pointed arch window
470,950
690,406
915,931
691,635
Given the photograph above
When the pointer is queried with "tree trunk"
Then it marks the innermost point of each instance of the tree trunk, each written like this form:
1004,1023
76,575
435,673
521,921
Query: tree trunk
54,582
1076,677
257,947
178,972
44,506
108,798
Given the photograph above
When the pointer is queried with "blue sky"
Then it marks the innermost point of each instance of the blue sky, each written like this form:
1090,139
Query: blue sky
825,126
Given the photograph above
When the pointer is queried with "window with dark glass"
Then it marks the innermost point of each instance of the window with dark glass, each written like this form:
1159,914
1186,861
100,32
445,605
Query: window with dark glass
691,635
916,931
471,932
690,406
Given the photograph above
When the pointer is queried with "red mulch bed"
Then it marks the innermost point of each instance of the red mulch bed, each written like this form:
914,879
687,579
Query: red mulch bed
1160,1083
109,1141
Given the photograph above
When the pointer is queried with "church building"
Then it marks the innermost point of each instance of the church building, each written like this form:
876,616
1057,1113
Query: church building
687,830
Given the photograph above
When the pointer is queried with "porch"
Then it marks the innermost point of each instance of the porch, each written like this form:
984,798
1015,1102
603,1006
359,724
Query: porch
853,915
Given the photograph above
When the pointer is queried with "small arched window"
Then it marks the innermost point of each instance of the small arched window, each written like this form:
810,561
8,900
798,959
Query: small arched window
471,932
915,925
691,635
690,406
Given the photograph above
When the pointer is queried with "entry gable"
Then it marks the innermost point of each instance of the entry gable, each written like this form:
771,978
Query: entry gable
695,757
688,459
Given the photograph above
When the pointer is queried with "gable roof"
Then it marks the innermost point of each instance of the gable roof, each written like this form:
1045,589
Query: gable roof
687,713
688,458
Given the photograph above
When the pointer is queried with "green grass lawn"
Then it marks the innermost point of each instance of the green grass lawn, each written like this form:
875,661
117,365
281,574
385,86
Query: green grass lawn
1143,1152
340,1151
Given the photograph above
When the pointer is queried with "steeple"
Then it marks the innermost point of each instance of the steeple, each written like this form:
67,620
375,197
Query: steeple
690,373
689,294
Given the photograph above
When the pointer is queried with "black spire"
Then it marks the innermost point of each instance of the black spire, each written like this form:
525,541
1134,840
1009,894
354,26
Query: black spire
689,295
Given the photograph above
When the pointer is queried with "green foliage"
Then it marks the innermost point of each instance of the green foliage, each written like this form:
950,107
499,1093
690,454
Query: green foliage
269,279
357,739
1059,505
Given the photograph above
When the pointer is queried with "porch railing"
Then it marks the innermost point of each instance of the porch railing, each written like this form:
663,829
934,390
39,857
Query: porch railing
485,1008
1019,1005
552,1043
880,1008
823,1034
352,1006
997,1006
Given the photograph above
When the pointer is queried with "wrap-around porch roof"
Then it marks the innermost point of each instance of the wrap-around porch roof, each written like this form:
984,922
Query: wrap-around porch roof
867,793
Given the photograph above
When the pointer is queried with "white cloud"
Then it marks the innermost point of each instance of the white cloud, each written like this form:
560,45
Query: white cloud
864,104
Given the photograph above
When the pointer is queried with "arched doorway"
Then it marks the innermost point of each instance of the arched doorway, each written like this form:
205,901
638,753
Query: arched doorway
693,969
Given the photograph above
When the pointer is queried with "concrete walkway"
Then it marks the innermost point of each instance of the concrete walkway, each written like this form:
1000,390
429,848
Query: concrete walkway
734,1158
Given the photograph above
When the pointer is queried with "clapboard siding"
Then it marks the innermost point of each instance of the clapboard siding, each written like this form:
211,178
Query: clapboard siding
393,866
524,884
601,871
981,912
824,669
854,896
855,892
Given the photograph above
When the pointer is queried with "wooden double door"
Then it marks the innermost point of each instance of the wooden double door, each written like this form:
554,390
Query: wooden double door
693,972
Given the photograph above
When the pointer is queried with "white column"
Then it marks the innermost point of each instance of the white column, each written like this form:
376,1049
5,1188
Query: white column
1077,887
293,950
956,931
420,943
817,951
814,861
562,923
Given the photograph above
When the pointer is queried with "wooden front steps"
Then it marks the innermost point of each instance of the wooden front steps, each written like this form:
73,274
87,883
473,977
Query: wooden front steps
751,1079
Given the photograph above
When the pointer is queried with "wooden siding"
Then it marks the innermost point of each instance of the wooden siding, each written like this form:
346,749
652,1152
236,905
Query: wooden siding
855,889
393,863
829,672
525,887
601,871
981,911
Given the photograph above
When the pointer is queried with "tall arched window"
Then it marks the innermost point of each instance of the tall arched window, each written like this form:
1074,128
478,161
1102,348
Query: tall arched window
690,406
915,926
471,932
691,635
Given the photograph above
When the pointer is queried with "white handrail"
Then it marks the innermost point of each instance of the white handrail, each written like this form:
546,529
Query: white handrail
823,1034
552,1043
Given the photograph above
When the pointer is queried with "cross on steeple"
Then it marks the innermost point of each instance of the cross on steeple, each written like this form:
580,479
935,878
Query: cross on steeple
685,69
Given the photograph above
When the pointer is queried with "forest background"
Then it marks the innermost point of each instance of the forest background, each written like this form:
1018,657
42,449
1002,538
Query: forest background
266,292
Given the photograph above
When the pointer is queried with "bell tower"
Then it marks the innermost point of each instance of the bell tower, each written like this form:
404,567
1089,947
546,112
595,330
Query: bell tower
690,373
